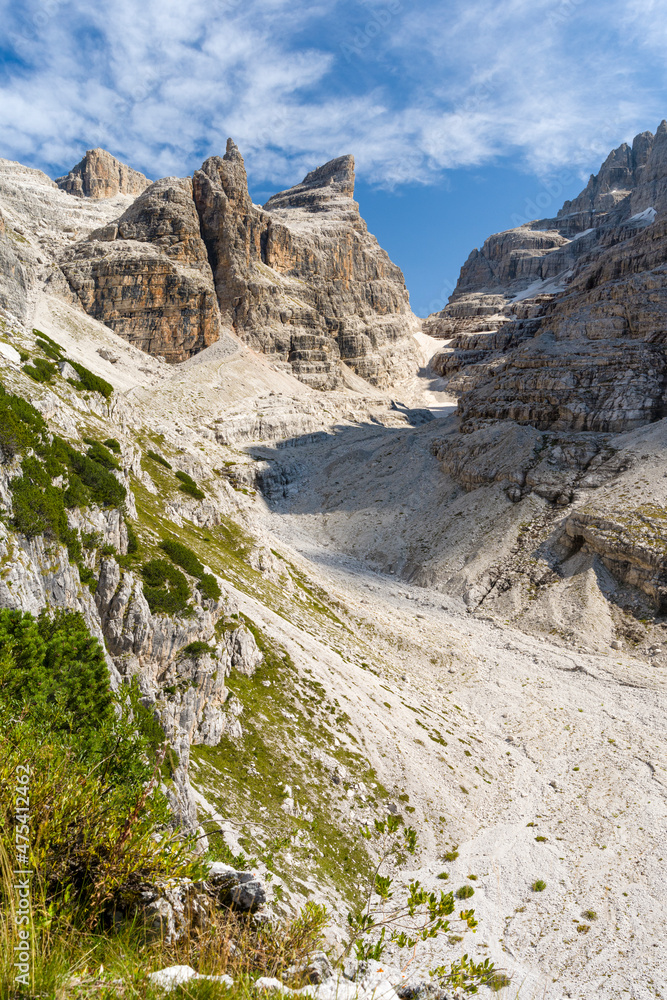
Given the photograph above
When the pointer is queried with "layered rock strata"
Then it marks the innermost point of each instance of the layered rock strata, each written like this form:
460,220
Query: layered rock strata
556,342
101,175
147,275
300,279
612,230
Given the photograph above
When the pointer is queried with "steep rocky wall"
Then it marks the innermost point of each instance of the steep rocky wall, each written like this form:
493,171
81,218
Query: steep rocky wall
301,279
147,274
101,175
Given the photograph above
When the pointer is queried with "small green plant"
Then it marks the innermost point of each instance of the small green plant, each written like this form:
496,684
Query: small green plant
102,456
420,916
468,976
209,587
50,349
189,486
186,558
541,840
465,892
589,915
197,648
583,928
91,382
450,856
41,370
158,458
132,540
165,587
182,556
539,885
443,875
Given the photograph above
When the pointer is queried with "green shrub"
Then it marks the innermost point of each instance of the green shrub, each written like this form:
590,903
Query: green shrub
102,485
158,458
50,349
165,587
182,556
197,648
21,425
103,456
51,658
209,587
76,494
41,370
189,486
38,507
91,382
465,892
132,540
450,856
443,875
112,445
93,759
539,885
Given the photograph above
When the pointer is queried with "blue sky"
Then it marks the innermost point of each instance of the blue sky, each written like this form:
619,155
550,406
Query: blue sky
460,113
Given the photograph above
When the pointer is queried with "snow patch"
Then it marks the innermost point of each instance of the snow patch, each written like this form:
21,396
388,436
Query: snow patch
579,235
647,216
546,287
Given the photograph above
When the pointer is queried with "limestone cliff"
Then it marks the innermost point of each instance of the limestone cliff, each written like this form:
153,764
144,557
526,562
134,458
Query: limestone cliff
557,341
146,275
101,175
538,319
300,279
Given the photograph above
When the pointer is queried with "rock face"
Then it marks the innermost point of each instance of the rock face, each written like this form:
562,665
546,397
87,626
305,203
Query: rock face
14,277
557,341
574,277
300,279
101,175
560,323
147,275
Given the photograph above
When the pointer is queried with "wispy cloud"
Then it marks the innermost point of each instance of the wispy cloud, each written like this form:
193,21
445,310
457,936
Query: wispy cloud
411,93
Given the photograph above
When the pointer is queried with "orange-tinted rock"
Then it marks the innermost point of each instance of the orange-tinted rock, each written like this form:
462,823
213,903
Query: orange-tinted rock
147,275
302,278
101,175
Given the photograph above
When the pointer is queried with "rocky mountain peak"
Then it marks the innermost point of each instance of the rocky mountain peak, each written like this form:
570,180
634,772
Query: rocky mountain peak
228,176
319,188
101,175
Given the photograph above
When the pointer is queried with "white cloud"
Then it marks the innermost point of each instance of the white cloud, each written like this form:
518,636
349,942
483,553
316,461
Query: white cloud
411,93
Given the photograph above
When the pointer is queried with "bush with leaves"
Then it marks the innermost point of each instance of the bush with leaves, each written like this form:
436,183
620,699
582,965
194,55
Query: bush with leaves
94,760
21,425
53,658
417,916
159,458
188,560
90,381
165,587
182,556
41,370
189,486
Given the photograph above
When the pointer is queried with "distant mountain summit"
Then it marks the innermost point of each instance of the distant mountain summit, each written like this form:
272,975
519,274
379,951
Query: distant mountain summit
101,175
300,279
